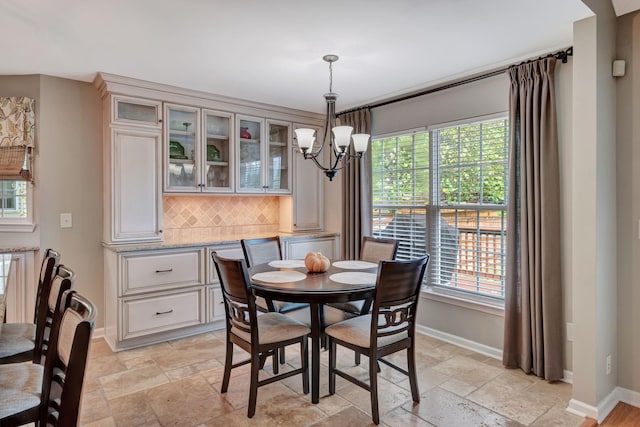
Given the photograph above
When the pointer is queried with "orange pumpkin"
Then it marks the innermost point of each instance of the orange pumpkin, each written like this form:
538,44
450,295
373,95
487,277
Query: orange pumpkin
316,262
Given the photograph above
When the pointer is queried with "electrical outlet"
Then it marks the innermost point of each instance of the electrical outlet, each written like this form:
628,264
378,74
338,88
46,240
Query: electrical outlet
608,364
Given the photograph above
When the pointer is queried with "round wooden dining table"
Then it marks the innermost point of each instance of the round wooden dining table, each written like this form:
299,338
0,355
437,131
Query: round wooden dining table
316,289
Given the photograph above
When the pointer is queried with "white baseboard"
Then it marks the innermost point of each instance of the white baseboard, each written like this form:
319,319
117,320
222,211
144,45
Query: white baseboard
607,404
628,396
495,353
97,333
568,377
582,409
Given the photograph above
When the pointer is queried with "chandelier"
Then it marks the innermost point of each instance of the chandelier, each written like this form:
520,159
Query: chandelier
338,139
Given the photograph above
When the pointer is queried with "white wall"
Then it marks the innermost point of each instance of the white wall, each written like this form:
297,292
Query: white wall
628,202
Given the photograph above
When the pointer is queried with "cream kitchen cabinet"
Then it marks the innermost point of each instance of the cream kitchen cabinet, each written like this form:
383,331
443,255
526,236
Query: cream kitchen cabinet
307,203
264,160
215,302
198,150
132,179
154,295
128,111
296,247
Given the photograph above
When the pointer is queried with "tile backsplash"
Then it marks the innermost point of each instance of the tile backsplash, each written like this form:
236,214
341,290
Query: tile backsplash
202,217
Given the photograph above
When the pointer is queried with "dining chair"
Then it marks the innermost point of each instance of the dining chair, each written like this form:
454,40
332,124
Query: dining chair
260,336
373,250
389,328
262,251
19,340
51,394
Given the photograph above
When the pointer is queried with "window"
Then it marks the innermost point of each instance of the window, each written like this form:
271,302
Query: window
15,206
13,199
443,191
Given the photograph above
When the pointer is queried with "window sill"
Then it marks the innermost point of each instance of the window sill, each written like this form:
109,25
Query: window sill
455,298
17,227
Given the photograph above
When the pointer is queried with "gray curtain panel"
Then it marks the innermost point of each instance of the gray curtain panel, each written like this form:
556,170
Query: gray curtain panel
356,190
533,293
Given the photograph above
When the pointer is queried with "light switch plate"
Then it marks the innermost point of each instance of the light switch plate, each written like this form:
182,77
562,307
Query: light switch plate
66,220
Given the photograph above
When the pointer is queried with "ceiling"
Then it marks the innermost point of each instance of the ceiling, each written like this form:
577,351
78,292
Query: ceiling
271,51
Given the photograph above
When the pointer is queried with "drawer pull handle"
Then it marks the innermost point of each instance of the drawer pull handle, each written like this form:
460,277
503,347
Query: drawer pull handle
158,313
168,270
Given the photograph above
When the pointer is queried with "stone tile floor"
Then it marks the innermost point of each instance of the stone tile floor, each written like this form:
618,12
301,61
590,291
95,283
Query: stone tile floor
177,383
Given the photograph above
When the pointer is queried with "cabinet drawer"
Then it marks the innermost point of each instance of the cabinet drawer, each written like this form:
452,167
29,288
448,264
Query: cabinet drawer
162,313
155,272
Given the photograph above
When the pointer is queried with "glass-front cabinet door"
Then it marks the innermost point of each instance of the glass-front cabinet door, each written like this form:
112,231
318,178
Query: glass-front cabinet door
136,111
249,132
278,163
182,137
217,152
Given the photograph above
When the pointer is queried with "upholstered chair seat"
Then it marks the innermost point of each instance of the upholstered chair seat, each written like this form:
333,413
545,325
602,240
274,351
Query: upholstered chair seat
274,327
20,387
17,338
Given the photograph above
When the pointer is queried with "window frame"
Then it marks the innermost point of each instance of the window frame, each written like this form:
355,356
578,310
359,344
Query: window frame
451,295
20,225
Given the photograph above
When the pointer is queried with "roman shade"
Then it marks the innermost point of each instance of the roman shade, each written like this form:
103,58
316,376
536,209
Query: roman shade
17,122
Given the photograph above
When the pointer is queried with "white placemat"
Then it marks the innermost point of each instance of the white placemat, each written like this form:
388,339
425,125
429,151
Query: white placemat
287,263
354,265
354,278
279,276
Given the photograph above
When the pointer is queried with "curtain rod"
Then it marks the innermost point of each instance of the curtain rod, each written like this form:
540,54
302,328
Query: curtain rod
561,55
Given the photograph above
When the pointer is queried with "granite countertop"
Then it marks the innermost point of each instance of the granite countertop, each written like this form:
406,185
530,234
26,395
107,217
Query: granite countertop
10,250
232,239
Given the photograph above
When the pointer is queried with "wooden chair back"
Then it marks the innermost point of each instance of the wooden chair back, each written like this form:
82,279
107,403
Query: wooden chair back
261,251
66,362
376,249
49,261
238,298
61,281
397,293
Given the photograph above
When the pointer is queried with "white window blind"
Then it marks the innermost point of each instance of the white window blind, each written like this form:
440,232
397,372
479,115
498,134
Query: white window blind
444,192
400,191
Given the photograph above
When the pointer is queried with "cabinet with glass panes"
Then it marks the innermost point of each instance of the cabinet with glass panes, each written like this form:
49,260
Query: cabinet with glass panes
263,157
198,150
